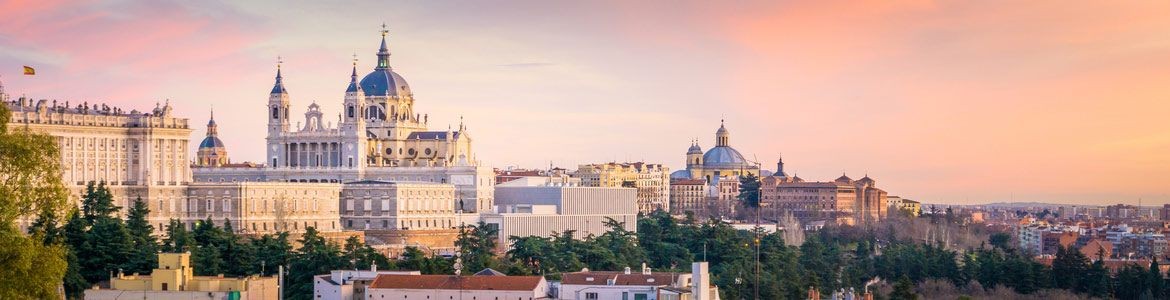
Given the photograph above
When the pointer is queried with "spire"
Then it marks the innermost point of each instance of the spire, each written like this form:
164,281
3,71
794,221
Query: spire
278,88
384,52
780,168
353,83
212,128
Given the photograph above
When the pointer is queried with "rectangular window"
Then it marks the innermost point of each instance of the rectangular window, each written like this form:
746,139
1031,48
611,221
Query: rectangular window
591,296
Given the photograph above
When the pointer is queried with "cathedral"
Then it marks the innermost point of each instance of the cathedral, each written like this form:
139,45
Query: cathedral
721,161
378,136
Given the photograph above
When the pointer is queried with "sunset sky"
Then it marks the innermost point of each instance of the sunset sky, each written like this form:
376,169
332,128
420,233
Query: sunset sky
939,101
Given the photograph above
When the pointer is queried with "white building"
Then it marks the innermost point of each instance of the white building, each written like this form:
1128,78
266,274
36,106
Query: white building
420,287
261,207
544,210
378,136
348,284
397,205
136,154
644,285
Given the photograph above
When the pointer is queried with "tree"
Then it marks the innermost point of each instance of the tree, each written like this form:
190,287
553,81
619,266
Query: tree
144,256
271,250
1068,267
903,290
178,240
1000,240
316,256
749,190
477,246
30,184
361,255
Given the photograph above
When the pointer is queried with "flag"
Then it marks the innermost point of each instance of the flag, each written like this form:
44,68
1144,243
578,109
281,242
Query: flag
29,71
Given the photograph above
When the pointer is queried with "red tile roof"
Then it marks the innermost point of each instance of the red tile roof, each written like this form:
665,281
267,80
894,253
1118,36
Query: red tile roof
450,282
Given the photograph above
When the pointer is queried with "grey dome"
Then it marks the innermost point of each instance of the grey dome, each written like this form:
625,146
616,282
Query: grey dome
724,157
384,82
680,174
695,149
211,142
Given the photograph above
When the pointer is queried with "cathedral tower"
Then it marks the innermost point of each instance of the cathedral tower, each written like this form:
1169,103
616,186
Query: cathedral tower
278,104
353,124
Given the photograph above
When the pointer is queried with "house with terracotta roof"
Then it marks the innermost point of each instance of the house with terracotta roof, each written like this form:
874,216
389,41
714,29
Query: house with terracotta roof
486,286
348,284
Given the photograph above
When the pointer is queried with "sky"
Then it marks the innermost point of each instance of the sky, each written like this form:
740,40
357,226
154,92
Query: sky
940,101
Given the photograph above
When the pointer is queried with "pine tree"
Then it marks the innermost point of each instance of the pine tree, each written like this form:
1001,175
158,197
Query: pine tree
144,256
178,239
903,290
316,256
749,190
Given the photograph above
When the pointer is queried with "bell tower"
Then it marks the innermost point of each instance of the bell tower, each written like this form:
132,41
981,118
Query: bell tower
277,113
353,124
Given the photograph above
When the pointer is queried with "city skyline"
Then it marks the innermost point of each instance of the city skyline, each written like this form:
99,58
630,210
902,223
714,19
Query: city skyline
985,104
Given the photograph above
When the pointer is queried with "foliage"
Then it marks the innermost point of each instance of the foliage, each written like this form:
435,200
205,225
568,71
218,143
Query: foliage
30,185
749,190
144,251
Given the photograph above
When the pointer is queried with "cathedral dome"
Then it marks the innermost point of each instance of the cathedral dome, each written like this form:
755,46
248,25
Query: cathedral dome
384,82
211,142
680,174
724,157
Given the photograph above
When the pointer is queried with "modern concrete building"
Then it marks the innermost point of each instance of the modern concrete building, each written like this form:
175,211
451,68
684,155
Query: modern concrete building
174,279
349,284
651,180
544,210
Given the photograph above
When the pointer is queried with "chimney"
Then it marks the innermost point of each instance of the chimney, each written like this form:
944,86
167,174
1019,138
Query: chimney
374,268
627,271
701,281
645,269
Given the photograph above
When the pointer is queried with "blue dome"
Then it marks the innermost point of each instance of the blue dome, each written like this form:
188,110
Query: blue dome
680,174
724,157
384,82
211,142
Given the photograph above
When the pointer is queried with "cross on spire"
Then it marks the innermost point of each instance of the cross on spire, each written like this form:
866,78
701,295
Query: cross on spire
279,61
384,29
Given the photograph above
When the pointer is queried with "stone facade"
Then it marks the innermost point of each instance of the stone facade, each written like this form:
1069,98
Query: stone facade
651,180
137,154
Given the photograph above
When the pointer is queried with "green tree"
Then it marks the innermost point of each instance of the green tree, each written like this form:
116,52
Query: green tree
477,246
316,256
178,239
30,184
144,254
749,190
903,290
360,255
1000,240
271,250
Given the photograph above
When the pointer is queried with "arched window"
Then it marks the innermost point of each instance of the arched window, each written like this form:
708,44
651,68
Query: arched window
275,112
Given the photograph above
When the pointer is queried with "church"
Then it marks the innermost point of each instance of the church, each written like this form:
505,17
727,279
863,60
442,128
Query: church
378,137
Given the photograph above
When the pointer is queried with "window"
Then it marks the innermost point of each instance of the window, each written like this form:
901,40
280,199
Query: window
591,296
349,111
275,112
